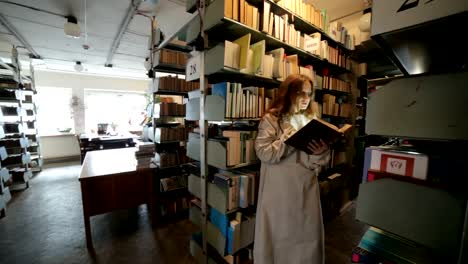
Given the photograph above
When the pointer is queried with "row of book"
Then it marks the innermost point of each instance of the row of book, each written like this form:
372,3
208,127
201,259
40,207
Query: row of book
240,147
242,11
253,59
171,206
331,83
306,11
175,84
9,83
331,107
173,183
170,159
170,109
244,102
171,133
172,57
339,33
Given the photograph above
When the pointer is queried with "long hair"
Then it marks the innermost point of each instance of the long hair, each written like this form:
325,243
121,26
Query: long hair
287,95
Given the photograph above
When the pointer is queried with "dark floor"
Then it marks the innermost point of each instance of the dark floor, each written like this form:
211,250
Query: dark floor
44,224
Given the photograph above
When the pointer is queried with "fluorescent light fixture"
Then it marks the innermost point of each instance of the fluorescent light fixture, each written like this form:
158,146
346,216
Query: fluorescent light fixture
71,28
78,66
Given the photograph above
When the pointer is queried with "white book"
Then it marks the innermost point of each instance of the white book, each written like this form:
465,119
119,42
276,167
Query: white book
277,27
244,191
271,22
234,101
239,99
278,64
228,101
313,44
266,16
268,63
231,54
281,29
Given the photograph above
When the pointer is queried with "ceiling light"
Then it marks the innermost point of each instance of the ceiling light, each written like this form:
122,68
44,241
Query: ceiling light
149,7
78,66
71,28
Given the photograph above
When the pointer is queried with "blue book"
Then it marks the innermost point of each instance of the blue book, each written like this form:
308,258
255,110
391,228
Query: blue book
219,220
220,89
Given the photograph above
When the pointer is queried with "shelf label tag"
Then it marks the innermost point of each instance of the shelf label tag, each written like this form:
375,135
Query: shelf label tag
192,72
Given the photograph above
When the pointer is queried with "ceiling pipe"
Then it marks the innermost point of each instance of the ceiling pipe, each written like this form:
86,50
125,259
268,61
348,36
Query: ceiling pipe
132,9
32,53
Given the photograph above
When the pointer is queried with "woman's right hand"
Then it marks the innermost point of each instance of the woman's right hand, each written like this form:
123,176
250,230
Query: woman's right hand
317,147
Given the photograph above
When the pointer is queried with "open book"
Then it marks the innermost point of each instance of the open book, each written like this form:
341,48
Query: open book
316,129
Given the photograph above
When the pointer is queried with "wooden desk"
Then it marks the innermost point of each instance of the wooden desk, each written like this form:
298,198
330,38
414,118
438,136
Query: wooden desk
110,181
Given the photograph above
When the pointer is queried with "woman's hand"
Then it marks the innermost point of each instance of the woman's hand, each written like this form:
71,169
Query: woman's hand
317,147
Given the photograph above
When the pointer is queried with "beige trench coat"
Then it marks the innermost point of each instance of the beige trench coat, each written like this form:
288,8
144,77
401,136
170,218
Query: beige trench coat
289,226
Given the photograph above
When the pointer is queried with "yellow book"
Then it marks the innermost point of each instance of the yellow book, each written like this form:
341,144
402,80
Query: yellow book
258,52
317,18
255,17
312,14
248,15
235,10
265,17
244,43
228,8
242,11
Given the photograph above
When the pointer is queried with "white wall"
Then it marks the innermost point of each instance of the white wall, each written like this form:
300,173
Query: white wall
60,146
65,146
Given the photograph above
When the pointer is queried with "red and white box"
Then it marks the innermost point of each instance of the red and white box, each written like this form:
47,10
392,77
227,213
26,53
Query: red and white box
405,163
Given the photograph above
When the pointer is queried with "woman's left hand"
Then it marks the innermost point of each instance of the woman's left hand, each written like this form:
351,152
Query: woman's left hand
317,147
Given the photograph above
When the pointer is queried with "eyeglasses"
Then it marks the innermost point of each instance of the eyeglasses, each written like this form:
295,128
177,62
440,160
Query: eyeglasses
304,94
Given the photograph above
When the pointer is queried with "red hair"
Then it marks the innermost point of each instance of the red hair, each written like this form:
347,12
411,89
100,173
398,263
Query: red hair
287,96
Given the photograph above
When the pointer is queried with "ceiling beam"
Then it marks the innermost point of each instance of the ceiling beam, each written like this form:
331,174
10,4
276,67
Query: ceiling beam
134,4
4,21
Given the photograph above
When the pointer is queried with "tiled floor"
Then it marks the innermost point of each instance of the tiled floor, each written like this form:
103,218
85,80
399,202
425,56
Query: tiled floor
44,224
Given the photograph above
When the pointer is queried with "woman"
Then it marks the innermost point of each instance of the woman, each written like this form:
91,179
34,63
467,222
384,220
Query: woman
289,227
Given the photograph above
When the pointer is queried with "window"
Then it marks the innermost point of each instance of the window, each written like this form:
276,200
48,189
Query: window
54,113
122,111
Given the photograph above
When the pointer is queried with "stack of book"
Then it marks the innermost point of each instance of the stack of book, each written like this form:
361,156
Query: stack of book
144,155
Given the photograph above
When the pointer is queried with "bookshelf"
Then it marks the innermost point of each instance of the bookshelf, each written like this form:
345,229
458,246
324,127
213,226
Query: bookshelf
405,206
212,243
19,147
169,129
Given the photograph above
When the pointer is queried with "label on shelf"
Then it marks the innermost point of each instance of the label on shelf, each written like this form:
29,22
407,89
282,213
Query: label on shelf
192,72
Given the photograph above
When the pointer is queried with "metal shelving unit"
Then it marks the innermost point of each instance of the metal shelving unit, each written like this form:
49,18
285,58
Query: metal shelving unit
18,133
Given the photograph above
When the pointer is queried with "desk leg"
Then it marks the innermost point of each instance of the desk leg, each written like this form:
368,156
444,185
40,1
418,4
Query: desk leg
151,202
89,238
86,216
